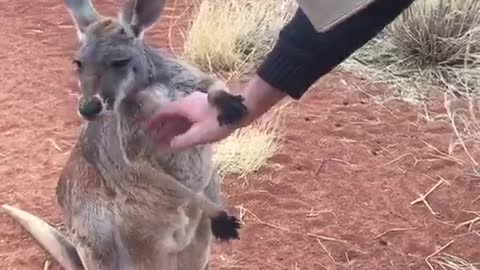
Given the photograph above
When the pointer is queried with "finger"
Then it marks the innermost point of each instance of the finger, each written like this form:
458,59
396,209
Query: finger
174,126
167,110
197,134
165,133
200,133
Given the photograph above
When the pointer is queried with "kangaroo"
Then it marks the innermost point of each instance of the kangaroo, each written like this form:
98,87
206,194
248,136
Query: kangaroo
126,203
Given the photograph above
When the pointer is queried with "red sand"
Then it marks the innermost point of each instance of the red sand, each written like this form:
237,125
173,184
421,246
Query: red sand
348,169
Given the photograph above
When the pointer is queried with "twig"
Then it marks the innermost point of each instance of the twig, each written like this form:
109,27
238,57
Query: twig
435,253
470,222
55,145
46,266
394,230
476,200
323,266
378,103
314,213
324,162
423,198
455,129
343,162
326,251
266,223
398,158
242,213
321,166
326,238
442,155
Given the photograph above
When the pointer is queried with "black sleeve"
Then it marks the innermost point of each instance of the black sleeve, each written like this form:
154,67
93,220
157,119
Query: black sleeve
302,55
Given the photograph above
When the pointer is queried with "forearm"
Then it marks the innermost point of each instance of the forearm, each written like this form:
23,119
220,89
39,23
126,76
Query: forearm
260,97
302,55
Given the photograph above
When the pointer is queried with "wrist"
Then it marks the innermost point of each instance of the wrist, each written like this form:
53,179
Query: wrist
260,97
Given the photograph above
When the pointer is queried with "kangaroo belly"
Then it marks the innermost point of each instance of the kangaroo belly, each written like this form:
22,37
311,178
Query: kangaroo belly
182,232
194,168
146,220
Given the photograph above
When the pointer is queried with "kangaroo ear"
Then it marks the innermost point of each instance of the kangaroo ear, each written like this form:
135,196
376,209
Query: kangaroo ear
139,15
83,14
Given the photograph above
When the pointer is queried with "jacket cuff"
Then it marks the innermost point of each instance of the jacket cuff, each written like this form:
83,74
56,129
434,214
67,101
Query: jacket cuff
287,72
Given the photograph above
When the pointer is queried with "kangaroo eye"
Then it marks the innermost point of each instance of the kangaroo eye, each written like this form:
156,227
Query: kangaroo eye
120,63
77,64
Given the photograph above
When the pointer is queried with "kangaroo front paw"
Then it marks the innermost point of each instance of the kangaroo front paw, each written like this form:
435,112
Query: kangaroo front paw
230,107
232,110
225,227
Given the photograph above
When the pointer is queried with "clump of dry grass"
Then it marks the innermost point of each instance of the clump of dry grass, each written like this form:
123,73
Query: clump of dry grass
231,35
249,148
432,45
451,262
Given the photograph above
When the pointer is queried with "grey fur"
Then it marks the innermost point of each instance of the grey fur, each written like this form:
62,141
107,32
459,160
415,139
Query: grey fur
120,209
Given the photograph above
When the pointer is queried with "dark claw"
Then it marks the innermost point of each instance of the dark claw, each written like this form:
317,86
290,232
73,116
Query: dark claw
225,227
231,110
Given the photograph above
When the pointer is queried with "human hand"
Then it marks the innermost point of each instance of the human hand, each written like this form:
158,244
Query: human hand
192,120
186,122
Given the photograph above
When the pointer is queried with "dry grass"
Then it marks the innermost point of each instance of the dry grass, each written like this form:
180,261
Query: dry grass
423,198
229,38
435,44
434,47
249,148
464,116
232,35
451,262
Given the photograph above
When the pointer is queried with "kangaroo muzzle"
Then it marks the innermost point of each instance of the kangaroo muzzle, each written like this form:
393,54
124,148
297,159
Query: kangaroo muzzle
91,107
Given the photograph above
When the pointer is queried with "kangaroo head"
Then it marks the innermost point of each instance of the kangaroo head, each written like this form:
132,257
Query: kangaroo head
111,63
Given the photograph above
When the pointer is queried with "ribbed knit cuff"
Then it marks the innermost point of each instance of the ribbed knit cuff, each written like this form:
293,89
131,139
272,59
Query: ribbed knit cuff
287,72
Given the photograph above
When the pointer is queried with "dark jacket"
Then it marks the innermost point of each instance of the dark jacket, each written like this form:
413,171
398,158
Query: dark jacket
302,55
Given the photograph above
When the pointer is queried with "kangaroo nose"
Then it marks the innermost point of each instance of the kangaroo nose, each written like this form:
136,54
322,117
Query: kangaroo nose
91,108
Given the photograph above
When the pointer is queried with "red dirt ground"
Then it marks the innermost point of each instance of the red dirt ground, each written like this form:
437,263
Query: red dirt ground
347,172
